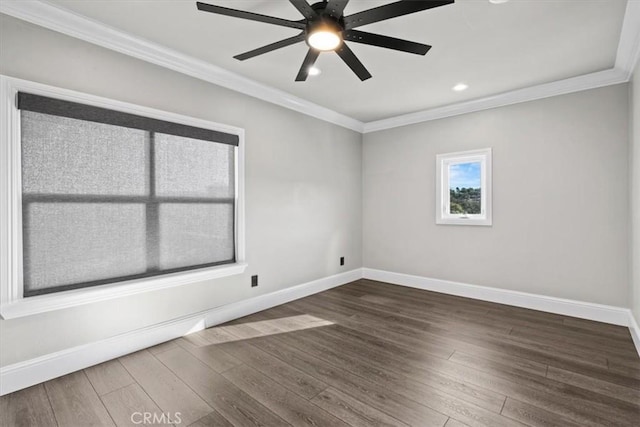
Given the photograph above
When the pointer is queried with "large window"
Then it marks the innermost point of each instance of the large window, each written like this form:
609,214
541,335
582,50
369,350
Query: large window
463,188
108,197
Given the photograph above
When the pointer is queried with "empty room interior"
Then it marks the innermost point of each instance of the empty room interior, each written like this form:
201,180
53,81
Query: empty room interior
319,213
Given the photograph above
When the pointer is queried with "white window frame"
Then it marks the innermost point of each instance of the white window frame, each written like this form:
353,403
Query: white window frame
12,302
443,162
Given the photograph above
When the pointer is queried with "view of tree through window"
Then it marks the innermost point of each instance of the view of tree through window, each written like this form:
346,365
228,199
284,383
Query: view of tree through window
464,188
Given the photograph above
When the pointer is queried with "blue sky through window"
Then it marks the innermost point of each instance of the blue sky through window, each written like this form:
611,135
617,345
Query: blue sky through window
464,175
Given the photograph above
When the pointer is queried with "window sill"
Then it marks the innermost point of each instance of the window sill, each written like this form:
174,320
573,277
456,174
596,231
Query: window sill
464,221
61,300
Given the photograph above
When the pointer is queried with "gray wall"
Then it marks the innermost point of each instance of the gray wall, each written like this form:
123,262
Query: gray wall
303,188
560,198
634,175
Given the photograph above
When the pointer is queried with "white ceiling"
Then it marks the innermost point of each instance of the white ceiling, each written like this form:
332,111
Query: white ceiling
493,48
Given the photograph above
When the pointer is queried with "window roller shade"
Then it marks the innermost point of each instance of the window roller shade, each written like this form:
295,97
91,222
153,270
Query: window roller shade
57,107
110,196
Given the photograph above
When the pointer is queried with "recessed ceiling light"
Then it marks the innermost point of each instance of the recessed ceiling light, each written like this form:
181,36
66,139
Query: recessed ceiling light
460,87
313,71
498,1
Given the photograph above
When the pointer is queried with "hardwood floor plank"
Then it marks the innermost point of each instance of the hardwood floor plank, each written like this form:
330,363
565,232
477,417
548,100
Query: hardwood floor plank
418,311
438,300
232,403
156,349
586,396
390,359
414,339
429,396
366,391
217,335
27,408
609,374
495,341
75,402
553,349
504,364
352,411
454,423
286,375
593,384
212,355
396,329
168,391
450,309
510,346
289,406
128,406
626,369
578,337
253,329
108,376
581,405
198,339
390,332
455,305
534,416
604,328
214,419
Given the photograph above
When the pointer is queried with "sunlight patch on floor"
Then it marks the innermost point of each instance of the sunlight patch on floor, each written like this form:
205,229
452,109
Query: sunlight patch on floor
261,328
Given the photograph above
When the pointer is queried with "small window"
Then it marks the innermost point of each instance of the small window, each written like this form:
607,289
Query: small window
463,188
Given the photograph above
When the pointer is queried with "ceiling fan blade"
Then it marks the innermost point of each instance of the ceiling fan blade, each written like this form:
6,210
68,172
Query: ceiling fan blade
309,60
335,8
249,15
304,8
353,62
270,47
391,10
385,41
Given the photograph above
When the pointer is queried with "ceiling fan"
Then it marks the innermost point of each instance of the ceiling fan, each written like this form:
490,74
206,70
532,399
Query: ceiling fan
325,28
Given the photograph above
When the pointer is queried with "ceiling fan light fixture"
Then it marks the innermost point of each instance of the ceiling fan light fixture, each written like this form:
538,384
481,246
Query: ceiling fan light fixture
324,39
326,28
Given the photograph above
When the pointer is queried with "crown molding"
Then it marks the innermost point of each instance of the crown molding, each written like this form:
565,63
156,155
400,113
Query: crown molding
629,45
546,90
75,25
627,56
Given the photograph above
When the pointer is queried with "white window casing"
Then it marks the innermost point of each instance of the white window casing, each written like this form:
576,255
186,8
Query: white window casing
443,165
12,302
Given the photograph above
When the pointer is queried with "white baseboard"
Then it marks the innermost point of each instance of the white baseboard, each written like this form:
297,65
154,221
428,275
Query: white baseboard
263,302
34,371
635,331
567,307
582,310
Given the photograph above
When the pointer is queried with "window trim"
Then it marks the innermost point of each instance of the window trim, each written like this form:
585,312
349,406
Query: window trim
443,161
12,302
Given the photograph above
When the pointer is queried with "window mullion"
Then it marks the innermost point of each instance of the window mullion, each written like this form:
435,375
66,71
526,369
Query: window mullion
152,209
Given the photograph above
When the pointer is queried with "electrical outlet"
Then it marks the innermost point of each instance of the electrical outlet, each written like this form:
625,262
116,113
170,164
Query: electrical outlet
254,281
341,260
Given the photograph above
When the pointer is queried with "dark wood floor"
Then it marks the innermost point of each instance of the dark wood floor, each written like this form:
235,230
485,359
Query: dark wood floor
364,354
